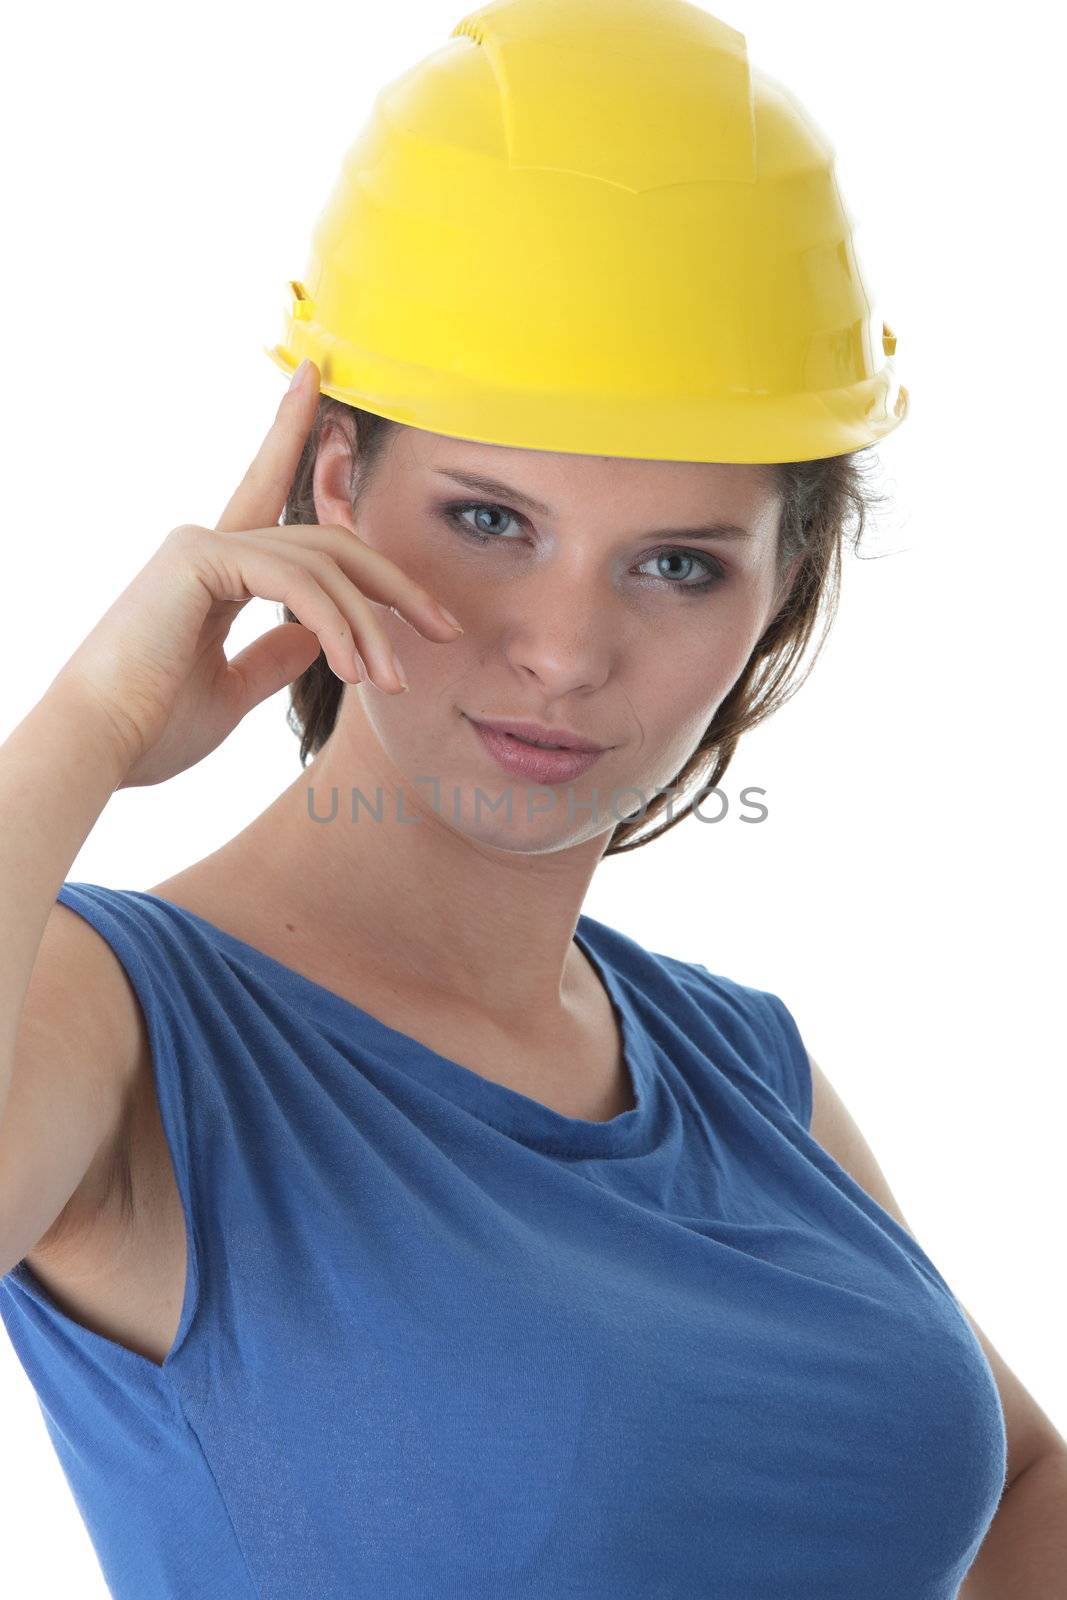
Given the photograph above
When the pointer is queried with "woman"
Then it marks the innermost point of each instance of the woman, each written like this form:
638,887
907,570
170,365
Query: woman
407,1230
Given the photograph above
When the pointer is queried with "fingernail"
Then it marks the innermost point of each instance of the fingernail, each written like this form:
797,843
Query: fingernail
399,669
299,375
450,619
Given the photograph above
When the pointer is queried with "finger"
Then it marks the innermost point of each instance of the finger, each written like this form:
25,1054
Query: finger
372,572
289,581
260,497
368,636
268,664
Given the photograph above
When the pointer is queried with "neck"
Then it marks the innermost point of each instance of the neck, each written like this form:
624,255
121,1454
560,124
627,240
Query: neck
396,884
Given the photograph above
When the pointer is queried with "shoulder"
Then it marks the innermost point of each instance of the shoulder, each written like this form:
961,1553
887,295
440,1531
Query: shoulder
81,1000
758,1028
83,1029
833,1127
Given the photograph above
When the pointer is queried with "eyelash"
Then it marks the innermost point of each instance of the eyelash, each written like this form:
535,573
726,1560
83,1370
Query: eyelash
454,511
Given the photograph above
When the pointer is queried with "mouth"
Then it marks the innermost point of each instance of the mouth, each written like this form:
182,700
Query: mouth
524,759
542,738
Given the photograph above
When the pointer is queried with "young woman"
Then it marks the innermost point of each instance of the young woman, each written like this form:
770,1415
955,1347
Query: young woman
371,1220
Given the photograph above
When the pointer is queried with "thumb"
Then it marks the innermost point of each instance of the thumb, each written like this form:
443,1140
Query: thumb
271,662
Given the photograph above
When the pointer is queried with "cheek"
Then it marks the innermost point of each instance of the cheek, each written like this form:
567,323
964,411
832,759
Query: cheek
435,671
724,643
694,664
672,704
677,690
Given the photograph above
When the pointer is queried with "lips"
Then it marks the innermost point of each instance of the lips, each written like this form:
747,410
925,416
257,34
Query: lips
533,733
545,767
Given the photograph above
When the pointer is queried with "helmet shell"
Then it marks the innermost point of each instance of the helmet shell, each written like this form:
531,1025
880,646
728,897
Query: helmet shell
589,225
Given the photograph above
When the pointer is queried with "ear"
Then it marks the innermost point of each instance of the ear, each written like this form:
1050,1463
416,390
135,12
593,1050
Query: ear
332,474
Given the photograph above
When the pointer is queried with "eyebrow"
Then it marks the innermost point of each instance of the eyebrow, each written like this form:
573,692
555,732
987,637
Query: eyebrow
493,486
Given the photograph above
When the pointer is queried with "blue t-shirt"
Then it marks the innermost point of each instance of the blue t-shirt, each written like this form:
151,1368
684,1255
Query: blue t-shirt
441,1342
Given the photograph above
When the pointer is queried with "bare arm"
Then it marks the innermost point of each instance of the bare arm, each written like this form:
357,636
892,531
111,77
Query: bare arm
58,769
148,693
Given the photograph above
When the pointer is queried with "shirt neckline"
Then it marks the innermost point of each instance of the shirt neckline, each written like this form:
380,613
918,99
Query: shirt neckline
508,1110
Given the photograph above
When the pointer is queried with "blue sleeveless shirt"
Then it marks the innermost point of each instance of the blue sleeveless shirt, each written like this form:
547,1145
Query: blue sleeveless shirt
441,1342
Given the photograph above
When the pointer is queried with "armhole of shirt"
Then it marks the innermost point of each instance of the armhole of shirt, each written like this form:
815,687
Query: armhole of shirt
143,949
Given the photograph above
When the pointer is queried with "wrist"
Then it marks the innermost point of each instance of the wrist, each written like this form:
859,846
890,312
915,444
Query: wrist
92,739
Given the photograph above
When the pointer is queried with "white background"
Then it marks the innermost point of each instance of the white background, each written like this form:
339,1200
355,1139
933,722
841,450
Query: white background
163,169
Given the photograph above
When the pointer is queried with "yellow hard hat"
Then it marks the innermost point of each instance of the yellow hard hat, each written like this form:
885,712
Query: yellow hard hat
590,225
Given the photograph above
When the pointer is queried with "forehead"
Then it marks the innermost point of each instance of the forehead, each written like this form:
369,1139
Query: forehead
560,479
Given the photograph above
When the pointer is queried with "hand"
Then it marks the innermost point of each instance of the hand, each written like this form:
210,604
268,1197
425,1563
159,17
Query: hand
155,666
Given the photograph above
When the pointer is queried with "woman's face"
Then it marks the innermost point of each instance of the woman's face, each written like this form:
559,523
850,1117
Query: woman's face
591,611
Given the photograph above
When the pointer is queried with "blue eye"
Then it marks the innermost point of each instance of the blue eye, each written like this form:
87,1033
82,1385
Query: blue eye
716,572
457,511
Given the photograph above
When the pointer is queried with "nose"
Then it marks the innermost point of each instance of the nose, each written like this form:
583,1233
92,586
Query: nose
559,631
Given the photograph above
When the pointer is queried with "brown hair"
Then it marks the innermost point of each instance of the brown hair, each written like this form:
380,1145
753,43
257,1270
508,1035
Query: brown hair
824,505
